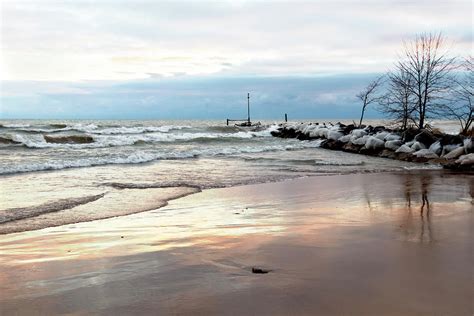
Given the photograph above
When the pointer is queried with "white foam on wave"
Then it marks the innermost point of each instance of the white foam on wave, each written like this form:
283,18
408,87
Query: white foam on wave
136,129
134,158
144,156
16,125
124,139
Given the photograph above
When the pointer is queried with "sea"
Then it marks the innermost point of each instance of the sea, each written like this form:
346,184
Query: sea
56,172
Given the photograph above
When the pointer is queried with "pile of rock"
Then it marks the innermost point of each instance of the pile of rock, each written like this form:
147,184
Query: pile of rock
452,151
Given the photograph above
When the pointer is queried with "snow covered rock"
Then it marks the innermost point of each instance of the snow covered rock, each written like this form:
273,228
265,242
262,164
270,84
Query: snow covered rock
357,133
449,148
322,132
390,137
374,143
455,153
393,144
308,128
425,153
404,149
466,159
436,148
381,135
469,145
345,138
409,144
417,146
334,135
360,141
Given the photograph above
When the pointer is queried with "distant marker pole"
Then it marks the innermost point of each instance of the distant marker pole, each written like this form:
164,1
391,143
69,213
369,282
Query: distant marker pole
248,107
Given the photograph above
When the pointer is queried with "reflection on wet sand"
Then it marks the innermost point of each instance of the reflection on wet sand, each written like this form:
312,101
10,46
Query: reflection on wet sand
417,228
324,238
425,221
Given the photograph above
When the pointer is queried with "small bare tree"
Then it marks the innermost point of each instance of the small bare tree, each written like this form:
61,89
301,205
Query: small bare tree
398,102
369,95
429,68
462,108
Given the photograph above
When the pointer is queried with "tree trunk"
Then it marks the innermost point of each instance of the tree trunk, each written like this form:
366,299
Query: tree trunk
362,116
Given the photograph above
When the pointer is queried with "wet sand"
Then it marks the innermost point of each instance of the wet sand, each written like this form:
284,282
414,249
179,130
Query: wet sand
361,244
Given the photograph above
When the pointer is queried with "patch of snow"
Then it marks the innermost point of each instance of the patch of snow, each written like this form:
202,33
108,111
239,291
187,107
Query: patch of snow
381,135
436,148
449,148
466,159
468,145
425,153
455,153
417,146
357,133
393,144
335,135
374,143
404,149
391,137
360,141
345,138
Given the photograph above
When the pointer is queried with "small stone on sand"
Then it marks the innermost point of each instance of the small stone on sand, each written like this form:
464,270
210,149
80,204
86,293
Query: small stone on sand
259,271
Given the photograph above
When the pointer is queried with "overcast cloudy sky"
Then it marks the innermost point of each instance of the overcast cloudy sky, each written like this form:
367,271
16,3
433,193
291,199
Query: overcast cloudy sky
197,59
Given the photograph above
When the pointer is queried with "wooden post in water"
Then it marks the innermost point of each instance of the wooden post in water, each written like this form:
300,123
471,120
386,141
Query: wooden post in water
248,108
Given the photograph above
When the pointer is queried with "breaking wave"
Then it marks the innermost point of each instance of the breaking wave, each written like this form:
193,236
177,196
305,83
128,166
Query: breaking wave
15,214
147,156
93,128
123,136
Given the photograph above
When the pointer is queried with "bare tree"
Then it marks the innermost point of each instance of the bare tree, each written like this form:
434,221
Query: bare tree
429,68
399,102
369,95
462,108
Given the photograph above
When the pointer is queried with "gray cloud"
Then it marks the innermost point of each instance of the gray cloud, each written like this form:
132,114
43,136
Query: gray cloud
73,40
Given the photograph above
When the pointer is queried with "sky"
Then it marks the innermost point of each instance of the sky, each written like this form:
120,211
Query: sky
114,59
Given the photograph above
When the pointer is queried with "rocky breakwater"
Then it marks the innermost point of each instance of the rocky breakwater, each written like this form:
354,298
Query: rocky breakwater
414,145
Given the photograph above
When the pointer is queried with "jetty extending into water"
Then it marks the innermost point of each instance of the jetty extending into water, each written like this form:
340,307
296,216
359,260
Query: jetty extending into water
414,145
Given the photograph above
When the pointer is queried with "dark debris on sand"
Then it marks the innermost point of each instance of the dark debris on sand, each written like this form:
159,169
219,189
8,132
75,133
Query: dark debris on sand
260,271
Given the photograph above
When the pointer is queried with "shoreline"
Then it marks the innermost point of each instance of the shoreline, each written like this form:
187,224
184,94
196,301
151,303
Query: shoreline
352,243
92,202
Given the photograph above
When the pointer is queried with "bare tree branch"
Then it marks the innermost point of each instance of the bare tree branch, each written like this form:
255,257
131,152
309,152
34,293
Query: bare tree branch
428,69
369,95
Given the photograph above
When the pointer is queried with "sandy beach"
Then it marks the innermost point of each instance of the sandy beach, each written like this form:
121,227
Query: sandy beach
358,244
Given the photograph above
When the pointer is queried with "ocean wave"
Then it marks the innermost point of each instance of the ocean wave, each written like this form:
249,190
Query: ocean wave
51,128
143,157
137,129
15,214
341,164
95,129
84,209
169,184
91,140
8,141
134,158
14,125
